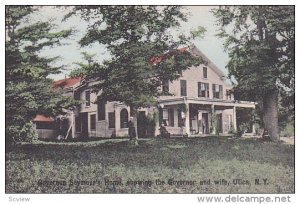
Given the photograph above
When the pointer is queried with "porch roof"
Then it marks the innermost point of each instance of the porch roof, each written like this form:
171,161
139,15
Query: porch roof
207,101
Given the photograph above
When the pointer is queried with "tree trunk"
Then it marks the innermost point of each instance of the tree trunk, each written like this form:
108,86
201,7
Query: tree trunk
133,113
270,115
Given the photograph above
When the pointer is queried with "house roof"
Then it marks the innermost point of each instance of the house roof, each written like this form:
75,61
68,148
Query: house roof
66,83
158,59
214,67
42,118
194,50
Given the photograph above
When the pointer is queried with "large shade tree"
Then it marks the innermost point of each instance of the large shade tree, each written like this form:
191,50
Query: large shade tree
143,51
260,41
28,90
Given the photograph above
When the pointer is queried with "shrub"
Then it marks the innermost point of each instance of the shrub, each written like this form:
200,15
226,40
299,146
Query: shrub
18,133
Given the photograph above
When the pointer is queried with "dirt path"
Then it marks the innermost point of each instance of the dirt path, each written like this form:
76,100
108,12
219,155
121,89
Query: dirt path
288,140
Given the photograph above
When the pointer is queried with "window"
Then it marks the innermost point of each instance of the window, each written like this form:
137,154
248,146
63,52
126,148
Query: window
217,91
101,109
203,89
205,72
165,87
228,95
77,124
167,117
183,88
93,121
77,95
87,98
164,116
111,119
171,117
124,118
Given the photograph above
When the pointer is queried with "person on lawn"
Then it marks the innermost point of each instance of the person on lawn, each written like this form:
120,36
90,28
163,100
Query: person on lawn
131,129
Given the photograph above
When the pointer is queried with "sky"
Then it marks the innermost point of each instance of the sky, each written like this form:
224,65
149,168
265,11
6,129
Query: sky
70,50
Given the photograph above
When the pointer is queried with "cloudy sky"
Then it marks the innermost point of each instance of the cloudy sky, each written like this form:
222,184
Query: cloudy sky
70,50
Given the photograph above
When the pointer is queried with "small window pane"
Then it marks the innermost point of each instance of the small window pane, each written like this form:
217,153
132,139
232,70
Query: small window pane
205,72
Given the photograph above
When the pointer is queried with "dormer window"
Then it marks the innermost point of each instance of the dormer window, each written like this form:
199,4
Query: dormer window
205,72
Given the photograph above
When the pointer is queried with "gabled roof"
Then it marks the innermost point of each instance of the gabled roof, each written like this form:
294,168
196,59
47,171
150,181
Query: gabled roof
66,83
194,50
158,59
42,118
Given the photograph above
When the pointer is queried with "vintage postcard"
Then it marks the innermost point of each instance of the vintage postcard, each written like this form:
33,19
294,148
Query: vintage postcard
150,99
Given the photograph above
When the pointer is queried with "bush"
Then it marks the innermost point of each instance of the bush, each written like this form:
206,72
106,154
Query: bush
17,133
288,131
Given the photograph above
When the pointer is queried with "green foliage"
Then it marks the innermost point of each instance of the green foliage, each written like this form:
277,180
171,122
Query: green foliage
134,37
181,158
260,46
260,41
288,130
17,133
28,91
199,32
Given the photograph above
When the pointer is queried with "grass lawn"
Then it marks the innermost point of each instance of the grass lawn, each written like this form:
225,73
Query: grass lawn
185,165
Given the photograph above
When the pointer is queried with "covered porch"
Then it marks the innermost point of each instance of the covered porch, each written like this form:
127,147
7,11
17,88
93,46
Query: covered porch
187,116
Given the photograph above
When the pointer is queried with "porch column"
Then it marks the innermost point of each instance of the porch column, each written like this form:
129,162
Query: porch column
73,124
187,120
234,118
157,125
253,124
213,119
117,120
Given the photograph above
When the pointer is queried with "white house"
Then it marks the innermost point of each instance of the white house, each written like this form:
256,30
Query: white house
201,103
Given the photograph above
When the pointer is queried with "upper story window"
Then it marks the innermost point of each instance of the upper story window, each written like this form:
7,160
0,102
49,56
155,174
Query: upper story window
87,98
101,109
165,87
183,91
205,72
217,91
203,89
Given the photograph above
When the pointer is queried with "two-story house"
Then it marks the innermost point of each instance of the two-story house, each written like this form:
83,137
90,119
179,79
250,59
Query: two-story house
201,103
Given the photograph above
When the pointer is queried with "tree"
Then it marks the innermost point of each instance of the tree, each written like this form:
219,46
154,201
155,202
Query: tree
28,91
143,52
260,41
